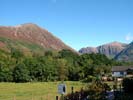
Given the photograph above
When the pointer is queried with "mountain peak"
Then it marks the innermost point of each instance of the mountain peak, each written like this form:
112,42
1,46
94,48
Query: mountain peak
109,49
34,34
29,24
114,43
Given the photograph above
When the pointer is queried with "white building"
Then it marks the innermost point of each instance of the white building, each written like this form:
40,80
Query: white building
122,71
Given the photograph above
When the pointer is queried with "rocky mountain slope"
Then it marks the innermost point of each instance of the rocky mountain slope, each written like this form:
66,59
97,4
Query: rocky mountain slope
110,49
126,54
29,37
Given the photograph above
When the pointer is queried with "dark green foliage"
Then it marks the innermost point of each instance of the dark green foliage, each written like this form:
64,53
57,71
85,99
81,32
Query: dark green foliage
21,73
89,78
15,53
94,65
72,65
128,85
48,53
53,66
95,91
40,72
5,73
81,95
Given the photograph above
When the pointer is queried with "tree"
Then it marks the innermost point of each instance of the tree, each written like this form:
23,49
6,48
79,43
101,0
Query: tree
74,73
17,54
31,64
62,69
5,73
97,90
40,72
50,65
71,62
21,73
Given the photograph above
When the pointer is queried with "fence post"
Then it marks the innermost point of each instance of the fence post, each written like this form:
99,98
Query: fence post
14,98
72,89
57,98
32,97
42,98
48,97
62,97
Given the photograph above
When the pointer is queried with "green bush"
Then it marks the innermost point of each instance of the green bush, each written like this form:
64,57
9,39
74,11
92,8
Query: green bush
95,91
21,73
89,78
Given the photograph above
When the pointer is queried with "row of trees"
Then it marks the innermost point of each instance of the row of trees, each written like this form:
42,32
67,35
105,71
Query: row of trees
52,66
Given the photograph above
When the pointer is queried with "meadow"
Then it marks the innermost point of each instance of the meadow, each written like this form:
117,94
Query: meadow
35,91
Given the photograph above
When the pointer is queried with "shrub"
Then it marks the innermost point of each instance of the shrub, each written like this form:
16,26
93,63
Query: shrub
127,85
95,91
89,78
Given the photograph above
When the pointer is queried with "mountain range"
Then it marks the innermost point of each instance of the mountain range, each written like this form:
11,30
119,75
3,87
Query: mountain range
126,54
29,37
109,49
116,50
32,38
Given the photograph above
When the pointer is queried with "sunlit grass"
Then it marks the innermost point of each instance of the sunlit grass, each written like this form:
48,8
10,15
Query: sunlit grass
34,91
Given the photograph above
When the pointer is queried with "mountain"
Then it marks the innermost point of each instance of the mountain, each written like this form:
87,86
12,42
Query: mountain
29,37
109,49
126,54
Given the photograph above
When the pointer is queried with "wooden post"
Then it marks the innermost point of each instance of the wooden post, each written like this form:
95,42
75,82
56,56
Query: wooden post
62,97
32,97
57,98
72,89
48,97
42,98
14,98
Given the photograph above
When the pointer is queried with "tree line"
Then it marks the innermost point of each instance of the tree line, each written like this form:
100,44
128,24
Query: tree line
16,66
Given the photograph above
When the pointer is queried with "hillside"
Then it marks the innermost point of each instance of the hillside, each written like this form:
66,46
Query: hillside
110,49
126,54
29,37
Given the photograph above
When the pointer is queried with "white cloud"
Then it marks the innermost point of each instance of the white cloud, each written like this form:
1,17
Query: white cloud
129,37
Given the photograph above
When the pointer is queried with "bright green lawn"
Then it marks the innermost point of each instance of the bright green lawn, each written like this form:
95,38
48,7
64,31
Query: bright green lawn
34,91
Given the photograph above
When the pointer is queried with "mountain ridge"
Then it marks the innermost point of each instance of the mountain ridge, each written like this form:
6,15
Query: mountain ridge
126,54
109,49
30,33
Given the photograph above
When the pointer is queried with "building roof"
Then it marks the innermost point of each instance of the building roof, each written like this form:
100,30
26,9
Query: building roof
121,68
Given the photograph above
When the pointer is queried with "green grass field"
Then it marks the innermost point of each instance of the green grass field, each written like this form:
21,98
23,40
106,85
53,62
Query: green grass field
34,91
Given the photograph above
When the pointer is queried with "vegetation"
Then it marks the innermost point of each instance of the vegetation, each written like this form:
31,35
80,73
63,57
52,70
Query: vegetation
94,91
15,66
34,90
127,85
65,65
127,93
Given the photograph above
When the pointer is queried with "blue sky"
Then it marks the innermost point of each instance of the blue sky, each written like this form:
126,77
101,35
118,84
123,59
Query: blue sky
78,23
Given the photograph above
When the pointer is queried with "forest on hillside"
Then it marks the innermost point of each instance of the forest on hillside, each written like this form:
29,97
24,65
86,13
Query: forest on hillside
16,66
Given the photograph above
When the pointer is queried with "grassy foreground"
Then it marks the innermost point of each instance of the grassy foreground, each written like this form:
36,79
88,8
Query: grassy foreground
34,91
